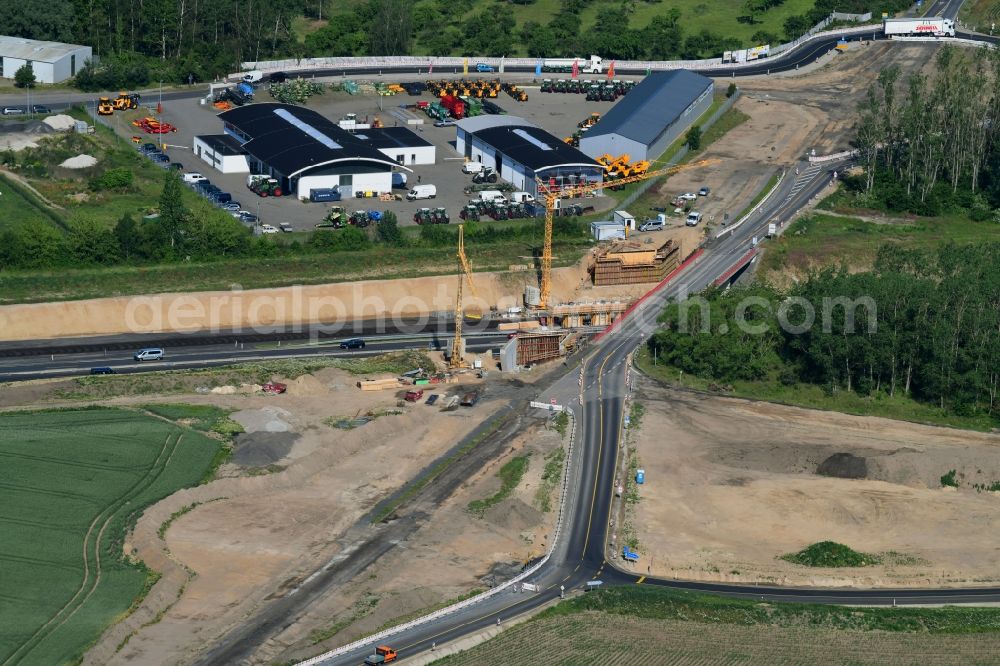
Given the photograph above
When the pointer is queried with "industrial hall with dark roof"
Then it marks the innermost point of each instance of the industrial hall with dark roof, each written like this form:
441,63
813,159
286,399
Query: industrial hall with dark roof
522,152
305,150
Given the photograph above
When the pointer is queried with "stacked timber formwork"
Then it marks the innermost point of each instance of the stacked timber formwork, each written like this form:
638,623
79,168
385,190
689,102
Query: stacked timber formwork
631,263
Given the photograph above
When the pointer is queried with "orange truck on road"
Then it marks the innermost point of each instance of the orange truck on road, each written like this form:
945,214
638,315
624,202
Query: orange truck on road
383,655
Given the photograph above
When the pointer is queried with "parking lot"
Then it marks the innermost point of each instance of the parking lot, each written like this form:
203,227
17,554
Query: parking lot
556,112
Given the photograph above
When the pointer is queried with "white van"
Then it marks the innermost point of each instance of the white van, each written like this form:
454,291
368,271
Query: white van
652,225
522,197
693,218
492,195
193,177
472,167
421,192
148,354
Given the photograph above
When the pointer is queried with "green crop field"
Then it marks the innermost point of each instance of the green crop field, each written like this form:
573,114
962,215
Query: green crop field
16,209
72,483
644,625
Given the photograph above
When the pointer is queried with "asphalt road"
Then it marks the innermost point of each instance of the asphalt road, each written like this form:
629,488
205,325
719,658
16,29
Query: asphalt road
784,62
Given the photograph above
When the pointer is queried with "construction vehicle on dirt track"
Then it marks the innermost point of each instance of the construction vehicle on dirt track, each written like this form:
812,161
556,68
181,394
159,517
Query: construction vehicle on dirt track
105,107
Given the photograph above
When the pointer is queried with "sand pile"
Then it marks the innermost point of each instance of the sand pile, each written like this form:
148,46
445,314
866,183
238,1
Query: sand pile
16,142
79,162
307,385
60,122
268,419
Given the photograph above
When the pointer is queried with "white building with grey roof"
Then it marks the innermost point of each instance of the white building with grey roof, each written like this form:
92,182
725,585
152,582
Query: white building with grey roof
52,62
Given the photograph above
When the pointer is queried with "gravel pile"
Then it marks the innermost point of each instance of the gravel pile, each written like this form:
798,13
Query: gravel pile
79,162
60,122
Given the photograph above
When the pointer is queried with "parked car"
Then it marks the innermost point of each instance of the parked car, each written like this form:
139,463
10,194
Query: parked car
432,399
689,196
353,343
693,219
40,108
651,225
704,192
470,399
232,206
159,158
276,388
12,111
177,166
413,396
268,229
247,218
148,354
103,370
286,227
278,77
147,148
193,177
444,123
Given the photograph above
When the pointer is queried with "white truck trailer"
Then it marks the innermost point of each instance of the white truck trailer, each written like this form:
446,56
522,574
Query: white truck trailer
592,65
919,27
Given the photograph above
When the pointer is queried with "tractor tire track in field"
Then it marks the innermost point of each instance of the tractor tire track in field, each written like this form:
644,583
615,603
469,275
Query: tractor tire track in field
60,617
76,464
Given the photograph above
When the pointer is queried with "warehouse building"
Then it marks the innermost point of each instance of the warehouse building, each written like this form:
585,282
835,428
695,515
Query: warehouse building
521,152
222,152
52,62
304,150
651,116
401,145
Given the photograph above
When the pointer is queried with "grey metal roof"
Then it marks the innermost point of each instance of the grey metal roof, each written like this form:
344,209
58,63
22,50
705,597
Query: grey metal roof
32,49
486,121
533,147
651,106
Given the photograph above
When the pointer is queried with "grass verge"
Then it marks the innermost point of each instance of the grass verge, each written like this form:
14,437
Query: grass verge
809,396
510,475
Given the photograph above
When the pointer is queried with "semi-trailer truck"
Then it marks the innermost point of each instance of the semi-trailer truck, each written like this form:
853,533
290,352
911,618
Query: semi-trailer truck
928,27
592,65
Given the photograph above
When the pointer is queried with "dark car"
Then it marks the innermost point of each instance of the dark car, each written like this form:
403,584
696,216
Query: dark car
353,343
278,77
177,166
149,148
432,399
40,108
102,371
159,158
704,192
470,399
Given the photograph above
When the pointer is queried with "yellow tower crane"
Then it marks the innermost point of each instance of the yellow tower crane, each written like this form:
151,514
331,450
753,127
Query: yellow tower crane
464,272
554,194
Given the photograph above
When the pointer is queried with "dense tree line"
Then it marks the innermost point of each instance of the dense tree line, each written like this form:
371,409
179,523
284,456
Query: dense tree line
921,324
139,42
177,235
933,140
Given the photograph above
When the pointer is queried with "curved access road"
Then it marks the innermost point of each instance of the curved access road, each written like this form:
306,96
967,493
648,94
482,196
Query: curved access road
597,392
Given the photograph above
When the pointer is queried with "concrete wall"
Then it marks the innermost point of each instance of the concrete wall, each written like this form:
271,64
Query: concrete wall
612,144
43,70
616,144
411,155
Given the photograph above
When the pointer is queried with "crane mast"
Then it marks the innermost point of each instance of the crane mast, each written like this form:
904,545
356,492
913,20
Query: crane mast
464,272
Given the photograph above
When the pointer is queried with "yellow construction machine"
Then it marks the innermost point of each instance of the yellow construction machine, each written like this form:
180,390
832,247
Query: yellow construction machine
464,272
105,107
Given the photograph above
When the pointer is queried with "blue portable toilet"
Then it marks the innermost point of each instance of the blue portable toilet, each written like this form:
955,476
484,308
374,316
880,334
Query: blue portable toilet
640,476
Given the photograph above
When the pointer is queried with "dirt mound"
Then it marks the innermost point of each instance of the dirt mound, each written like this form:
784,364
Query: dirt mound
258,449
844,466
307,385
268,419
60,122
514,515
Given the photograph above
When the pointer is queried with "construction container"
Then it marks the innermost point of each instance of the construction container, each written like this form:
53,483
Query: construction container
532,296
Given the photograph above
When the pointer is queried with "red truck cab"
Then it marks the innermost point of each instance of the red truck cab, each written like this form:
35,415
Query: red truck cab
383,655
414,396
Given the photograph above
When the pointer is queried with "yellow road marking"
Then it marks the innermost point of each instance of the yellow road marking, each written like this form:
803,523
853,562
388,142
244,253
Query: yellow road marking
640,581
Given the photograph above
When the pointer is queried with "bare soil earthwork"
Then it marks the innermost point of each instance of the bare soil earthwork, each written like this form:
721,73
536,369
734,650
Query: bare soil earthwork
731,485
279,510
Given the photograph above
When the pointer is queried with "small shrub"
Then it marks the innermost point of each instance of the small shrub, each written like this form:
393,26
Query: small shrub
831,554
119,178
949,479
